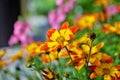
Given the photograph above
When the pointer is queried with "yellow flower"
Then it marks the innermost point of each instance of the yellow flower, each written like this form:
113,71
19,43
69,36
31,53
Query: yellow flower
86,21
80,54
31,48
106,70
117,26
50,57
82,40
111,29
62,36
17,56
108,28
102,58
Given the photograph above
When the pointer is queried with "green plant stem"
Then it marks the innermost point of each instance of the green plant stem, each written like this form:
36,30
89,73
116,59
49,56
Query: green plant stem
87,62
88,59
73,63
59,67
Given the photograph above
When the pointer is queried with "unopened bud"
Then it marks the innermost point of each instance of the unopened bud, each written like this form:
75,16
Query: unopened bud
92,35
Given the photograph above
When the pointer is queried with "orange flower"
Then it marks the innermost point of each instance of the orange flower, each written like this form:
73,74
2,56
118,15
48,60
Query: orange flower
117,26
62,36
103,58
107,70
108,28
80,54
111,29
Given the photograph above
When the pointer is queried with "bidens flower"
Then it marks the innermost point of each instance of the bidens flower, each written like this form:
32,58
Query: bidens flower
62,36
107,70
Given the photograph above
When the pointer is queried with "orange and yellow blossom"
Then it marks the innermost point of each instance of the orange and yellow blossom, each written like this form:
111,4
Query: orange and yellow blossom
107,70
117,26
17,56
62,36
80,54
82,40
32,47
87,21
108,28
49,53
57,39
103,58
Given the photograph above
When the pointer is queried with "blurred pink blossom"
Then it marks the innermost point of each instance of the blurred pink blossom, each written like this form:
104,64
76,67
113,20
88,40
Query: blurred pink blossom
59,2
111,10
20,34
56,17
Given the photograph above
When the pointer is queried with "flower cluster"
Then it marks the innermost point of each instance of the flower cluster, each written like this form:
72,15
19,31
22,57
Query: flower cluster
80,53
88,50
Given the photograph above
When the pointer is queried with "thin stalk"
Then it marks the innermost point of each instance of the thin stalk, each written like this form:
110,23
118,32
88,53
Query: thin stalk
59,67
87,62
73,63
88,59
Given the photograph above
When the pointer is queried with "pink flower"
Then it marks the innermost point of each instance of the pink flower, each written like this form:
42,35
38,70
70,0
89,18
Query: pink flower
111,10
13,40
20,34
56,17
59,2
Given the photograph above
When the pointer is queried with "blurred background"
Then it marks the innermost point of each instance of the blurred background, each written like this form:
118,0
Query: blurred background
34,11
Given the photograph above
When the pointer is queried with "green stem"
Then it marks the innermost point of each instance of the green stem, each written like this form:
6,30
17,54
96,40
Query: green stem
59,67
73,63
88,59
87,62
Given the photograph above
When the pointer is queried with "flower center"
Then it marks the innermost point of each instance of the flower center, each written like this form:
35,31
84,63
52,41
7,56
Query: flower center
60,39
106,71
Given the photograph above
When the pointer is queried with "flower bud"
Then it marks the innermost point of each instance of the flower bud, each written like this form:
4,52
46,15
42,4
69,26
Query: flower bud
92,35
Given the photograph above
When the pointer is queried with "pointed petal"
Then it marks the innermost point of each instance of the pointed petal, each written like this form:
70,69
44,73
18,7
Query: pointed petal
50,32
74,29
65,25
93,75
